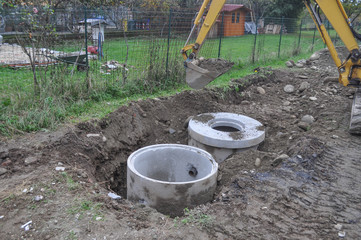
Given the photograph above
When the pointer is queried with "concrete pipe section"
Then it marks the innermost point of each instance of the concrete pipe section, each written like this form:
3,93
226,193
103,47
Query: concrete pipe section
223,134
171,177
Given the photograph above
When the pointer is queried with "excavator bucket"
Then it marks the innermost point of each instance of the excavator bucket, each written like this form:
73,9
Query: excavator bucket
355,122
197,77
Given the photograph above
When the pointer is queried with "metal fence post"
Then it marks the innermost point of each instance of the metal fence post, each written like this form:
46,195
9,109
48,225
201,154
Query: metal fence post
299,36
314,36
220,37
169,29
255,43
279,45
86,36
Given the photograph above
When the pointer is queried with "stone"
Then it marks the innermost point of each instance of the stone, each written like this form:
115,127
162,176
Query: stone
257,163
302,61
6,163
313,98
279,159
304,86
314,68
300,65
338,226
92,135
3,171
314,56
261,91
38,198
342,234
171,130
30,160
289,89
303,77
286,103
290,63
304,126
61,169
308,119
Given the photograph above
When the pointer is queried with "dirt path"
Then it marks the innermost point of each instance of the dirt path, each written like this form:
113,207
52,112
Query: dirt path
306,187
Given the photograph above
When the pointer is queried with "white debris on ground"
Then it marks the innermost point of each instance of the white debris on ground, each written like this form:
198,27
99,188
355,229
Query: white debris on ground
13,54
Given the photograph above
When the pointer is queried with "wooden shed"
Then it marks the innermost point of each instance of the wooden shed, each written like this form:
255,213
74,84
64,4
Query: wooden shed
234,19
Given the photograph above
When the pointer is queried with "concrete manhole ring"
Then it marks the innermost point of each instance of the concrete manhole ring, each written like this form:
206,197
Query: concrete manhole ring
171,177
226,132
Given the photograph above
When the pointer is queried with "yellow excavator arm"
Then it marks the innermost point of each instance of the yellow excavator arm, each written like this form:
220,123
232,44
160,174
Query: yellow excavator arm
350,68
214,9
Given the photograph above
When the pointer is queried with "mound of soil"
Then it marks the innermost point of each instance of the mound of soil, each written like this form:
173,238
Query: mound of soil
301,183
215,64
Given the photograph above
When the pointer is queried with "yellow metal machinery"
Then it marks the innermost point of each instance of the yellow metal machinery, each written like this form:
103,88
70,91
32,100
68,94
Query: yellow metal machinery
349,69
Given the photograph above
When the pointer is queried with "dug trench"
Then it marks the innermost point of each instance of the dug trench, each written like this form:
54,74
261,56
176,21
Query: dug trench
303,182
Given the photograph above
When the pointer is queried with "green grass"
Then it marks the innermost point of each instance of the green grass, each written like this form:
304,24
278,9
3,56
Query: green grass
64,94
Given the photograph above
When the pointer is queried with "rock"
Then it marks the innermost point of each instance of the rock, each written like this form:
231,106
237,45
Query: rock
257,163
30,160
304,86
302,61
313,98
304,126
300,65
286,103
289,89
342,234
303,77
114,196
279,159
186,122
261,91
245,102
171,130
290,63
314,68
308,119
338,226
314,56
61,169
38,198
92,135
6,163
335,137
3,171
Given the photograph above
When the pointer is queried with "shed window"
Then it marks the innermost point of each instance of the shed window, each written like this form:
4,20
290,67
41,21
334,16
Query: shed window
233,17
238,15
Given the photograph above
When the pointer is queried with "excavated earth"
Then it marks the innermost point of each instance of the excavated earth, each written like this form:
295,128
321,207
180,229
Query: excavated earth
303,182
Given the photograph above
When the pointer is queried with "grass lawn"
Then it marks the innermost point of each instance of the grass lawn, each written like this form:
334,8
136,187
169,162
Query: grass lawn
66,95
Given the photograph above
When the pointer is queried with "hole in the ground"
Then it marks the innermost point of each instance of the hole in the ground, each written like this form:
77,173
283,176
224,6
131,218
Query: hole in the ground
226,129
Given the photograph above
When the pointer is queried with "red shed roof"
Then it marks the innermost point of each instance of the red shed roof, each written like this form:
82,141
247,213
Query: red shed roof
233,7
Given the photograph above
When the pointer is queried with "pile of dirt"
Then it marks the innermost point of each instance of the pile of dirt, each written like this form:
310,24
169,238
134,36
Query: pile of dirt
301,183
214,64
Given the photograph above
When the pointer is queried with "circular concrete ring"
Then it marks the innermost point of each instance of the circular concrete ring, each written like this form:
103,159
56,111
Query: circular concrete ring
237,131
171,177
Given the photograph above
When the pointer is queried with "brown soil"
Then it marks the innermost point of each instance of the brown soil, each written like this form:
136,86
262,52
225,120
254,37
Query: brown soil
215,64
314,193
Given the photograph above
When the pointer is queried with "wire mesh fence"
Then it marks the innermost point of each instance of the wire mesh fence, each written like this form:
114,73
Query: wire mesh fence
123,47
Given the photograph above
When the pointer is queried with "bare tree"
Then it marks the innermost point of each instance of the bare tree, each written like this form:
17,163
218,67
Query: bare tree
38,33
